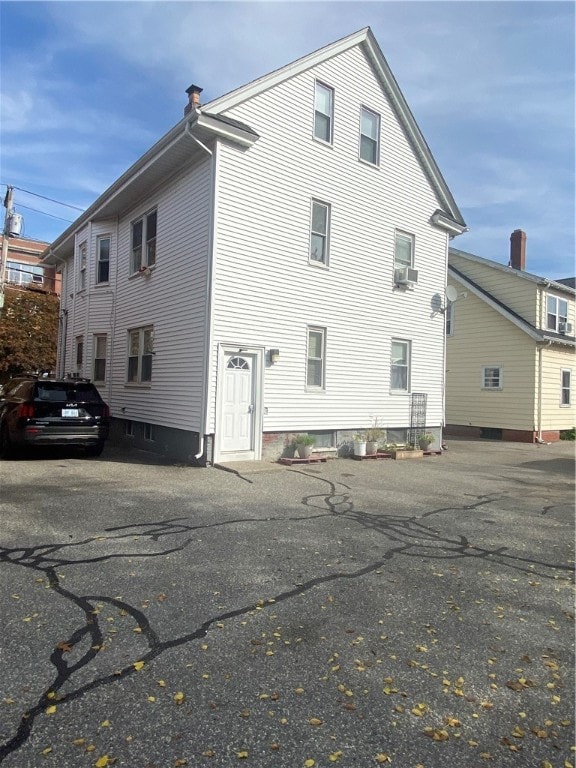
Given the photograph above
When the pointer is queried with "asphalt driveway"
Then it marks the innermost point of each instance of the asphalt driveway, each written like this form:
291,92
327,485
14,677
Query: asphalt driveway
414,613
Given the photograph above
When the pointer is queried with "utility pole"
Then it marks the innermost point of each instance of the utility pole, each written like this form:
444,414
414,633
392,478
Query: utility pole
9,211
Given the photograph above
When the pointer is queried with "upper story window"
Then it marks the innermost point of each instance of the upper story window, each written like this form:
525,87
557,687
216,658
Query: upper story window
79,352
22,274
316,357
556,314
492,377
400,359
140,351
143,244
319,232
403,250
82,262
323,112
103,260
369,136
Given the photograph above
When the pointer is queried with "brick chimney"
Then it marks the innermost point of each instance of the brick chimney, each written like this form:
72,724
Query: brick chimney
193,98
518,249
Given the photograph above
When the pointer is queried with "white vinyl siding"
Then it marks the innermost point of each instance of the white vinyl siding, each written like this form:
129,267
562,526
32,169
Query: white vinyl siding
323,112
263,236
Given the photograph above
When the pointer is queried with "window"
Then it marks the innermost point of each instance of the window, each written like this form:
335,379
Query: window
143,248
140,345
556,313
369,136
319,232
449,318
492,377
129,428
566,381
148,432
316,354
82,259
403,250
323,112
400,366
22,274
103,260
79,351
100,343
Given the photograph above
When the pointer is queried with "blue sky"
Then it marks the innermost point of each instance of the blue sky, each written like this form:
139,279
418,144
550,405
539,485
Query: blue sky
87,87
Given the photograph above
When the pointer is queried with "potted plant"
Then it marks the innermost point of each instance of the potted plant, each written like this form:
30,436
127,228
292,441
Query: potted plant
304,444
373,437
360,444
425,440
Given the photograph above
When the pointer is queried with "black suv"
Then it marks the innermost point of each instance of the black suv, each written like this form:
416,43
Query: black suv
42,412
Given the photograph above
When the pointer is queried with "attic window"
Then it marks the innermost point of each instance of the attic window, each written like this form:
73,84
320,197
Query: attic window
369,136
323,112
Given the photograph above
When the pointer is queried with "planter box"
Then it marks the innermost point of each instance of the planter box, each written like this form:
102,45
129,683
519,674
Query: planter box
408,454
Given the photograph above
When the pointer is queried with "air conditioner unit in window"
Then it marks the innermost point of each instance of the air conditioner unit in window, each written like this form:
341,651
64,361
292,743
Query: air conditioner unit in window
564,327
406,276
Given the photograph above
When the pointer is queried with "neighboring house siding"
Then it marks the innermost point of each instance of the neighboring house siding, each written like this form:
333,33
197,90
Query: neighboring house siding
266,291
482,337
554,415
508,286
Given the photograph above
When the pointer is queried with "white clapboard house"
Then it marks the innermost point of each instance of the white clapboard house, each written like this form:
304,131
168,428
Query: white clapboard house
271,266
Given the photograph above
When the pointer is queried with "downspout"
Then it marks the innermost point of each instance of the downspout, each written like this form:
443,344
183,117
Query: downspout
540,380
209,296
61,351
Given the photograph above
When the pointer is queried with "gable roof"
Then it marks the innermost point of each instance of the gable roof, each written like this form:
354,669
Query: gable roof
559,285
503,309
450,217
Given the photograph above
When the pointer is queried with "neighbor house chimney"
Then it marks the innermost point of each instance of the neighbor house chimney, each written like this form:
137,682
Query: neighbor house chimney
518,249
193,98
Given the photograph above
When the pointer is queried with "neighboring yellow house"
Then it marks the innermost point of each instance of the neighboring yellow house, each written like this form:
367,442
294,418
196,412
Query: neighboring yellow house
510,349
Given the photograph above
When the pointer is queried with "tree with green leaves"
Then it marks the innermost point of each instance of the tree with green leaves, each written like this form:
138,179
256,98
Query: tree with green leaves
28,332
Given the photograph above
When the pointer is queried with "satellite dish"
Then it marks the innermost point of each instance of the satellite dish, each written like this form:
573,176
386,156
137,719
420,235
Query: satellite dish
451,293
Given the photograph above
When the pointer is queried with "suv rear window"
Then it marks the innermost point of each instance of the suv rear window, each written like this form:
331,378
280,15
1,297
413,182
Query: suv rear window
56,392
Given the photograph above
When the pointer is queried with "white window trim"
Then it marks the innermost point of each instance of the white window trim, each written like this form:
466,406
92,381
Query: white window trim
557,314
144,254
99,261
364,108
408,367
500,386
138,381
409,236
316,387
568,388
82,265
330,141
95,338
325,261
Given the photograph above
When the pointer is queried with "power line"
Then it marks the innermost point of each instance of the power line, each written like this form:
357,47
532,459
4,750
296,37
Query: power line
44,213
76,208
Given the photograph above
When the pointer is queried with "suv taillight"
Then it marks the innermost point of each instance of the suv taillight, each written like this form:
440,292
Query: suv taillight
106,411
26,411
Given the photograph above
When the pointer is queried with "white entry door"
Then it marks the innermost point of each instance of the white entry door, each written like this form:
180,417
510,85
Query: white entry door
237,403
